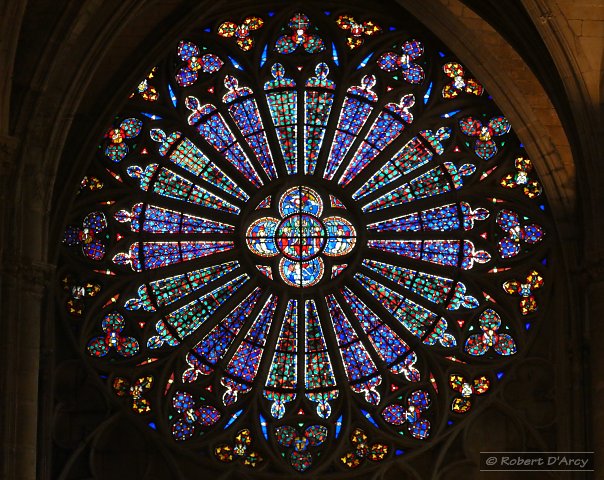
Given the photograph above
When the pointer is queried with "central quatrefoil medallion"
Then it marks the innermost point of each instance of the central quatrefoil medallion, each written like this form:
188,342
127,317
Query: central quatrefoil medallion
301,236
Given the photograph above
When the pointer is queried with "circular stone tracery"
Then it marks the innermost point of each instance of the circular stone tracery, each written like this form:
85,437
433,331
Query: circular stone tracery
387,168
301,236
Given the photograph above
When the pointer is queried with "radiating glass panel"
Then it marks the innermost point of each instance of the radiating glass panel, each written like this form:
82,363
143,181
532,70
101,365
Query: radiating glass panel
319,379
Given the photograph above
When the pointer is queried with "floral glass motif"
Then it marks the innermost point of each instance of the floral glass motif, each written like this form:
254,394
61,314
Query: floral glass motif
134,391
466,390
146,90
479,343
412,415
300,236
78,293
530,186
113,339
460,83
191,417
189,53
361,449
288,241
525,290
509,222
485,146
90,184
393,62
241,32
301,443
357,30
301,36
239,449
117,147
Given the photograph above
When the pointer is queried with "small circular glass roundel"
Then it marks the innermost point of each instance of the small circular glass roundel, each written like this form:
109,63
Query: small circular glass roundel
301,237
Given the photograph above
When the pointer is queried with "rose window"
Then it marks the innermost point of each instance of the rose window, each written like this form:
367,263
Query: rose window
309,243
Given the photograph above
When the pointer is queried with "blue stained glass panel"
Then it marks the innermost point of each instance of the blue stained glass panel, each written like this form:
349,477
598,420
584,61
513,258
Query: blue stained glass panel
207,353
181,323
213,128
415,153
386,128
243,366
389,346
243,109
318,100
355,111
319,378
283,106
357,362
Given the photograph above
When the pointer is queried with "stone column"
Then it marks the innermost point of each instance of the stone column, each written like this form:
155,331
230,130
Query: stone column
22,291
594,307
24,278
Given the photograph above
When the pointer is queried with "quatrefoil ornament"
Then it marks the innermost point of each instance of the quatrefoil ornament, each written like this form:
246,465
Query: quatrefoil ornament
485,146
466,389
460,82
357,30
241,32
301,237
522,178
393,62
525,289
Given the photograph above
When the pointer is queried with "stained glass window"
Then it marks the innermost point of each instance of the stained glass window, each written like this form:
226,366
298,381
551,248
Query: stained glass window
309,243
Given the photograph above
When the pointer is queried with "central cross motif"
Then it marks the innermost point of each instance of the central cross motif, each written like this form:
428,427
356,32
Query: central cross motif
301,236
